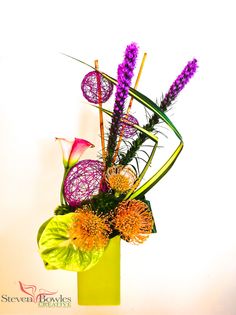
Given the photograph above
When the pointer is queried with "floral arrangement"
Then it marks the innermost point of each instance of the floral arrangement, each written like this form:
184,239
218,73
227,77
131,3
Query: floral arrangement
103,198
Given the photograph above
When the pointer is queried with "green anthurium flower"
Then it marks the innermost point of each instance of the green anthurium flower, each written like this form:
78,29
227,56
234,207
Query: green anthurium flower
40,232
58,250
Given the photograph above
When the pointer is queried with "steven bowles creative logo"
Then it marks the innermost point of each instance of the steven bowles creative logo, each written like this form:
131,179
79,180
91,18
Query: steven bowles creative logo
41,297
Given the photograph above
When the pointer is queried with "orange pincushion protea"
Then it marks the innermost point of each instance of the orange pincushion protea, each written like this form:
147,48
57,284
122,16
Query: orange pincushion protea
89,230
133,220
120,178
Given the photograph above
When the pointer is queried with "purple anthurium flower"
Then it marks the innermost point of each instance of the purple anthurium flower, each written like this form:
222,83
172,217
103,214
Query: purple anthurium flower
72,150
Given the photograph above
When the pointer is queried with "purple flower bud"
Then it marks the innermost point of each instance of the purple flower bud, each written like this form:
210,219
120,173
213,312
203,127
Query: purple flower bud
125,73
179,83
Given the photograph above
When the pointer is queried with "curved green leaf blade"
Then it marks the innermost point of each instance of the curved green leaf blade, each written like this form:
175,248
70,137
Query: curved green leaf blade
154,108
145,169
148,133
160,173
79,61
57,250
140,98
157,176
149,104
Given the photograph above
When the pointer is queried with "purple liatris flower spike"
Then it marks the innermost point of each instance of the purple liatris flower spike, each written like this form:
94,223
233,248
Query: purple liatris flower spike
179,83
125,74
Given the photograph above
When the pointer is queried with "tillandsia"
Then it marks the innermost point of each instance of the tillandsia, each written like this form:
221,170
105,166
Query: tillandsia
105,198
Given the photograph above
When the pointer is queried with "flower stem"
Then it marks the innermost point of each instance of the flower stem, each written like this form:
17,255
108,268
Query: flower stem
143,172
62,198
159,174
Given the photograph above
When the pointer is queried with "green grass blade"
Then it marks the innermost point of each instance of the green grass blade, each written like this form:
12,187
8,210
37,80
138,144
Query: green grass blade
160,173
145,169
139,97
144,100
148,133
79,61
154,108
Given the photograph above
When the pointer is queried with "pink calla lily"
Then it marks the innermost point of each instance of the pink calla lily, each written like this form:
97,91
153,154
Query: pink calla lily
72,150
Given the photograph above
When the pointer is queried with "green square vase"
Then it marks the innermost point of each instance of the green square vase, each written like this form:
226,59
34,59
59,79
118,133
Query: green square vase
101,284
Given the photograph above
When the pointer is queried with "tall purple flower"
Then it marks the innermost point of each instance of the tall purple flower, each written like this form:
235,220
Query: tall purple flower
125,74
179,83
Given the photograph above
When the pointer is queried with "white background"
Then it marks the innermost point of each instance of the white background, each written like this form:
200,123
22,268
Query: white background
189,266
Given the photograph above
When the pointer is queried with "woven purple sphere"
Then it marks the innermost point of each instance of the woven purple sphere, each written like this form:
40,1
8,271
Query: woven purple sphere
90,85
129,130
83,181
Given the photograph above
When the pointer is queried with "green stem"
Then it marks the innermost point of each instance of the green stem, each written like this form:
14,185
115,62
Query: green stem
62,198
145,168
159,174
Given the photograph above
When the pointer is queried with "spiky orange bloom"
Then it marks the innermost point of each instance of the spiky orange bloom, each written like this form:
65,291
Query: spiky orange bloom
133,220
120,178
89,230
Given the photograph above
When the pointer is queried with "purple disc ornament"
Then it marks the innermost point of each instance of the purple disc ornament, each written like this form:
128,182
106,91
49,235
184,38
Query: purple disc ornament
92,82
83,181
128,130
